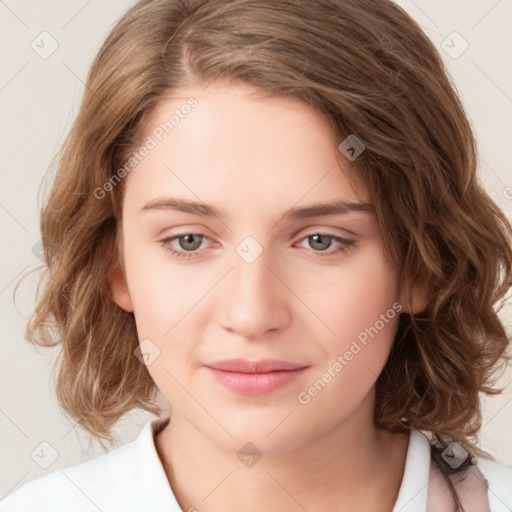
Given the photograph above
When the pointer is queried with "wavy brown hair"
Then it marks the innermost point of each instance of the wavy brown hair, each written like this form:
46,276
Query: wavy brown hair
369,70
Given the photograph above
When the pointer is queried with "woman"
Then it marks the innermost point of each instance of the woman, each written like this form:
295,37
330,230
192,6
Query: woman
268,212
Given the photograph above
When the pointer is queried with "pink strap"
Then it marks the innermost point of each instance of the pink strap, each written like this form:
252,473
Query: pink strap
472,491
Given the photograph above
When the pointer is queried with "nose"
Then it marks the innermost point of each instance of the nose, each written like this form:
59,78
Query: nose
255,300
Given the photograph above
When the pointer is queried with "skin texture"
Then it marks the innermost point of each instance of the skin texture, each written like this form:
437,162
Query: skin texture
254,159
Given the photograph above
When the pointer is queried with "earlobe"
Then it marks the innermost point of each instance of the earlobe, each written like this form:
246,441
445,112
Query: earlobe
419,295
119,289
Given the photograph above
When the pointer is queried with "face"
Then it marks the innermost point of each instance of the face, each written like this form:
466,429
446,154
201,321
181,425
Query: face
265,317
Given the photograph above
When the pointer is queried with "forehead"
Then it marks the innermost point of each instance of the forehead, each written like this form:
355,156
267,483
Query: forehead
238,148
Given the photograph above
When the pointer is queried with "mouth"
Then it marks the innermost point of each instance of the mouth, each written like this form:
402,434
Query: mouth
255,377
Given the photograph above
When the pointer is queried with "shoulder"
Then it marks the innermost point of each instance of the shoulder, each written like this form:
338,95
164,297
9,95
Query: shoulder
499,480
486,486
127,479
85,487
130,478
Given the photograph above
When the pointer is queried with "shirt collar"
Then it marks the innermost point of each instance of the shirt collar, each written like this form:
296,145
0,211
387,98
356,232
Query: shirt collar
412,496
151,475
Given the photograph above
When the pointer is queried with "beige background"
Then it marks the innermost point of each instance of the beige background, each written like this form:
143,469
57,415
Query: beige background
38,99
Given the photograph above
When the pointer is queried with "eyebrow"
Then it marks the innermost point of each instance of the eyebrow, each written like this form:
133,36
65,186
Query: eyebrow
204,210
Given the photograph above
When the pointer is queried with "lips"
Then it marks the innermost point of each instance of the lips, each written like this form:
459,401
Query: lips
262,366
254,377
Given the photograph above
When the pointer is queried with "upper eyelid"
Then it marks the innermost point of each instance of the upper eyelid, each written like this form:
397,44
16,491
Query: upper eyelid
352,224
306,235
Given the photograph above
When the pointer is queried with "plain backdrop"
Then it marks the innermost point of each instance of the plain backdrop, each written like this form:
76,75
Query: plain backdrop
39,96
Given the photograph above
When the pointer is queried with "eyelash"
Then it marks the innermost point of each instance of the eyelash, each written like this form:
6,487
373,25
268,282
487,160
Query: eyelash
344,247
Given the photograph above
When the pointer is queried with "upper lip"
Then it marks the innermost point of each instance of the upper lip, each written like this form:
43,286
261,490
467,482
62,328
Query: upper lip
261,366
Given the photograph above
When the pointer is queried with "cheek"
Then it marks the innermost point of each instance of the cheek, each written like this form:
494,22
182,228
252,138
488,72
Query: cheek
353,297
361,307
162,293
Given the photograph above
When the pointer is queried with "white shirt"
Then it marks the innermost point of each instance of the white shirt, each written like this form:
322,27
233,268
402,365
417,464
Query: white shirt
131,478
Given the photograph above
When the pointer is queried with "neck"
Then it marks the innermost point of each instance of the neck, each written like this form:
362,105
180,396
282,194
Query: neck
341,470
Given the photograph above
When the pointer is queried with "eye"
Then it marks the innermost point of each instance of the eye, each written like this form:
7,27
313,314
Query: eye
320,242
188,244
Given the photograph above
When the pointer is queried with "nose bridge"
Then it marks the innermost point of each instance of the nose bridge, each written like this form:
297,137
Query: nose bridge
252,279
254,301
251,274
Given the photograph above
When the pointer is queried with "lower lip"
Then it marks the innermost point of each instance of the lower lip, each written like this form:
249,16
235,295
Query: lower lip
255,383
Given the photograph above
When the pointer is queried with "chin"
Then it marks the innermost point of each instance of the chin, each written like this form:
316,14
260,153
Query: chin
269,437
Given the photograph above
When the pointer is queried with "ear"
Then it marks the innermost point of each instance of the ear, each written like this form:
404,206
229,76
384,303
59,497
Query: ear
419,296
119,289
